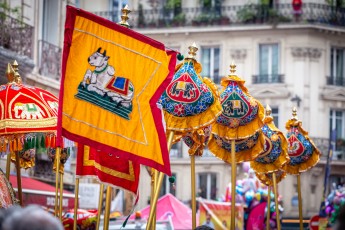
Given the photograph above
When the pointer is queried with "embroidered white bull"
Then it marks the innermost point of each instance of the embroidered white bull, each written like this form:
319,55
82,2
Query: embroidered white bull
103,82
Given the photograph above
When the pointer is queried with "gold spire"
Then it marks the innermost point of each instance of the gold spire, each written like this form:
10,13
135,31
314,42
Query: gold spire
10,73
124,17
192,51
294,113
232,68
268,111
17,78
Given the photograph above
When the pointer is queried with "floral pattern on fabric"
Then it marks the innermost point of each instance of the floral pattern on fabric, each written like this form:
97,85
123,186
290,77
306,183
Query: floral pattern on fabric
300,148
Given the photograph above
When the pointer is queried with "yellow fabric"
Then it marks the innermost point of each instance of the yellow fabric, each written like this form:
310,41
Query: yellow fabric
182,125
246,155
137,134
241,131
25,164
283,157
266,178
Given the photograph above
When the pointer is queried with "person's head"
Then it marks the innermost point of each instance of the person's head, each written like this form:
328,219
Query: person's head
31,218
203,227
208,217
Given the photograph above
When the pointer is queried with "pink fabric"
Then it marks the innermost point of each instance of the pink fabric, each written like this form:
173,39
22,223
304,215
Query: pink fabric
180,214
256,219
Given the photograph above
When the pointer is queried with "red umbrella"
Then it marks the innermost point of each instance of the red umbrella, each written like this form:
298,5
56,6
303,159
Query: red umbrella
28,119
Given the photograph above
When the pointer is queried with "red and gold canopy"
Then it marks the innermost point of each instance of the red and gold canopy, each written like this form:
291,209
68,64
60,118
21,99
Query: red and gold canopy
302,150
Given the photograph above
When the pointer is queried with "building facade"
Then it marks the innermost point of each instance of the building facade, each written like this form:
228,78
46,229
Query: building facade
289,55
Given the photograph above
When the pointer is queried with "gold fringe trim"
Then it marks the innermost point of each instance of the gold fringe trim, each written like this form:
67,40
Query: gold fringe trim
226,80
311,162
246,155
266,179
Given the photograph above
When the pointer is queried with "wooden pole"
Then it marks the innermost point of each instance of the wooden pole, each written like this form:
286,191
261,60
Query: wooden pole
275,190
268,216
107,209
76,201
300,202
8,166
61,195
233,184
19,179
153,205
100,205
192,167
57,159
154,175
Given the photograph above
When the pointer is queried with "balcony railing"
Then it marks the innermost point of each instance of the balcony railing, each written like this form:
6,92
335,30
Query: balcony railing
50,60
338,81
16,36
234,14
268,78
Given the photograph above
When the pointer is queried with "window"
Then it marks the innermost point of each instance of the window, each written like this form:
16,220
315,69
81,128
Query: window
275,114
337,122
50,22
207,185
210,57
176,150
337,66
168,187
268,64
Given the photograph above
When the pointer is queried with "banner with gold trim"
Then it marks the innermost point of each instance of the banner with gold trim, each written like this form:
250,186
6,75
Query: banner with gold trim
112,78
108,168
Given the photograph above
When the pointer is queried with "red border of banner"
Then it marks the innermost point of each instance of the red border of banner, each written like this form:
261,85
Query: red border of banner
71,14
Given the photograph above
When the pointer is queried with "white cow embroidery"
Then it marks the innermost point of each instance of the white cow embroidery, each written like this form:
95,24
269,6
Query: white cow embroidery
97,80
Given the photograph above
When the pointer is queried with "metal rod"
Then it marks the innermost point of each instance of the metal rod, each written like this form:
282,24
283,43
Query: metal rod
275,190
8,166
76,201
268,216
192,167
233,184
107,209
61,195
19,179
155,178
100,205
57,159
153,205
299,202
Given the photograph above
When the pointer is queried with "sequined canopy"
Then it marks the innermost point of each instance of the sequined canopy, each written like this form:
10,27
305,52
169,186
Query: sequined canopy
241,120
302,150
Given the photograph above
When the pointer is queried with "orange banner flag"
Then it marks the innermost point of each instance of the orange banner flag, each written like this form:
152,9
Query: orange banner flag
112,78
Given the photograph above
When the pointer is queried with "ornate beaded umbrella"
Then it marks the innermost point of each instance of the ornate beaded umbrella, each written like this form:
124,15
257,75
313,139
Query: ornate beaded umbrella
191,104
302,152
236,135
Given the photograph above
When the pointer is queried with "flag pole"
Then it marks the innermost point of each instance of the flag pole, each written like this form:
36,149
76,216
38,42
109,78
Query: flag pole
8,166
192,167
107,209
57,159
268,213
153,205
300,202
76,199
276,199
19,179
61,195
154,177
233,184
100,204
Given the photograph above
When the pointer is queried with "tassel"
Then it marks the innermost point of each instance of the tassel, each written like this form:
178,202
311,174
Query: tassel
37,142
11,147
53,142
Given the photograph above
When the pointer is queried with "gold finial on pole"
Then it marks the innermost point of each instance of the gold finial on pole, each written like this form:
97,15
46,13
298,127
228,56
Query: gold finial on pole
294,113
268,110
232,67
10,73
192,51
17,78
124,17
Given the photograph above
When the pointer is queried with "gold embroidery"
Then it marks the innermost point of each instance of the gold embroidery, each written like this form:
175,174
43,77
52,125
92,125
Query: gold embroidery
39,123
112,172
